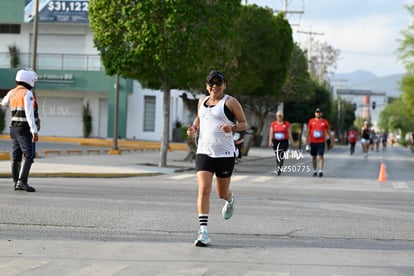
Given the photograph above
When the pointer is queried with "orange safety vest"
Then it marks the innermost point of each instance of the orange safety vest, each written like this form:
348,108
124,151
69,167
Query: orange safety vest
16,103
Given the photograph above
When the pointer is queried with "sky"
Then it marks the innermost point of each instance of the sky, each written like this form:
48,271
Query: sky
365,31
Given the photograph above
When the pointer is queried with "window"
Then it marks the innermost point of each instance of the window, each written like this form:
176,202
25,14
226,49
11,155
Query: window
149,113
9,28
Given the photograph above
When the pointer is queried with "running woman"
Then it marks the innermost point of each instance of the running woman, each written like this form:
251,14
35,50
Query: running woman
216,152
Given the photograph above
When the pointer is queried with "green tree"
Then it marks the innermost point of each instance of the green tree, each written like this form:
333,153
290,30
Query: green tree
265,49
301,109
407,96
298,90
406,49
14,56
164,44
298,81
348,116
265,45
400,113
259,54
343,116
395,117
324,57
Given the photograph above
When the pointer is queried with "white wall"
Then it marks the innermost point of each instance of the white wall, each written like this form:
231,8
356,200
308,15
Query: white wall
135,114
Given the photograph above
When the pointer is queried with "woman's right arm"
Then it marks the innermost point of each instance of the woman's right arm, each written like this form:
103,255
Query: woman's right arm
194,128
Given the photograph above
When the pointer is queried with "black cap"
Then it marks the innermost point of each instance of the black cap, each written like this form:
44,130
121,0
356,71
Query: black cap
215,74
318,110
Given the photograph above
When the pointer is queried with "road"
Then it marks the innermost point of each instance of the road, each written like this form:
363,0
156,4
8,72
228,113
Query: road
345,223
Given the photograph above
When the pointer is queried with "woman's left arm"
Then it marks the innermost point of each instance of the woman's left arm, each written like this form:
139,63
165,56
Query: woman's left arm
239,115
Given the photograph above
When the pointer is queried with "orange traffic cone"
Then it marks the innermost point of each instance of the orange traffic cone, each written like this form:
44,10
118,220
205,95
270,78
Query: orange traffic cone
382,177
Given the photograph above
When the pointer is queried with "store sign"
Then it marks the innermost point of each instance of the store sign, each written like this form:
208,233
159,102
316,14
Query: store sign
68,11
56,78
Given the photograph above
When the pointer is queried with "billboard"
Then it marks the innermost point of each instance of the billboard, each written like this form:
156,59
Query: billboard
67,11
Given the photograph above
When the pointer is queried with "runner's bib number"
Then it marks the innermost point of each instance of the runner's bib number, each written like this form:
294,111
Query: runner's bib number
317,133
279,136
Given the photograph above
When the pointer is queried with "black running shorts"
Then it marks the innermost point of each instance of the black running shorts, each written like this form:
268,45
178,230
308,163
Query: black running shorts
221,166
317,149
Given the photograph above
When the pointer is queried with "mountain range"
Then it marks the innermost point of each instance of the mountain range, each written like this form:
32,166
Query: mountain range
366,80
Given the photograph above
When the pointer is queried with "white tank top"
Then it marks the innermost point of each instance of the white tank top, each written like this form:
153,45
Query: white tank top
213,141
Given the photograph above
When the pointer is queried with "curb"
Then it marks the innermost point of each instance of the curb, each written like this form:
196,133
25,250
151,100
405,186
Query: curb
108,143
4,155
96,175
84,175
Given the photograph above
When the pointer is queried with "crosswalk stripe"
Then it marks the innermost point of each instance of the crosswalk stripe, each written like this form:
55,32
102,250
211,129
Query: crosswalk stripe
193,271
238,177
399,185
266,273
262,178
182,176
17,267
101,269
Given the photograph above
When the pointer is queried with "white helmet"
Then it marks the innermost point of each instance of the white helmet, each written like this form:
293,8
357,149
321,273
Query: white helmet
27,75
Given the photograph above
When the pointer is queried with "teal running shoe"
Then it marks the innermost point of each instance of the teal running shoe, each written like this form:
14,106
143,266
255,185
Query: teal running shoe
202,239
227,210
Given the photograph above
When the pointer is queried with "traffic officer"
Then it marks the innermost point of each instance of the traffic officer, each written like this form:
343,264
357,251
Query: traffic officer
23,129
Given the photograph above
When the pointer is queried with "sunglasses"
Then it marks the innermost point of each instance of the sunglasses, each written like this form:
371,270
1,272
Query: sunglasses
217,82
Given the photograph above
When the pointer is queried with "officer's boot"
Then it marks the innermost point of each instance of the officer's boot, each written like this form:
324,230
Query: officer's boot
15,167
23,177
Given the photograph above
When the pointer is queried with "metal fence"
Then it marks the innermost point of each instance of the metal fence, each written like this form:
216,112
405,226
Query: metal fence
56,61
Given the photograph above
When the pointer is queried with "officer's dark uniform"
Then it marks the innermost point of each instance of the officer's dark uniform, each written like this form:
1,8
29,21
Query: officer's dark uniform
23,129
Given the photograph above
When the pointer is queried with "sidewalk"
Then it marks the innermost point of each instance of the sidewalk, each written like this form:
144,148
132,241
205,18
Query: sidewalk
106,165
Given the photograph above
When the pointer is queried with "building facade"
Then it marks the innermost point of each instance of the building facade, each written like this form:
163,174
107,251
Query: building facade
71,76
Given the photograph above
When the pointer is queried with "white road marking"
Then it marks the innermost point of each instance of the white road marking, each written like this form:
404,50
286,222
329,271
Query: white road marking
262,178
182,176
399,185
19,266
238,177
100,269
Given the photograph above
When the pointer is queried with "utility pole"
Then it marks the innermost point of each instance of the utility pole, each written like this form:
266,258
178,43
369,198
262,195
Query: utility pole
34,55
35,31
311,34
286,11
285,8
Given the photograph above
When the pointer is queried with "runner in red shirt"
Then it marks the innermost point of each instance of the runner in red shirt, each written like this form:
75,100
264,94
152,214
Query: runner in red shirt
352,138
318,128
280,135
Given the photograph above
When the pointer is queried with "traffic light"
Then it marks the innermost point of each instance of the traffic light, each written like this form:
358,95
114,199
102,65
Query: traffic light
373,105
355,106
